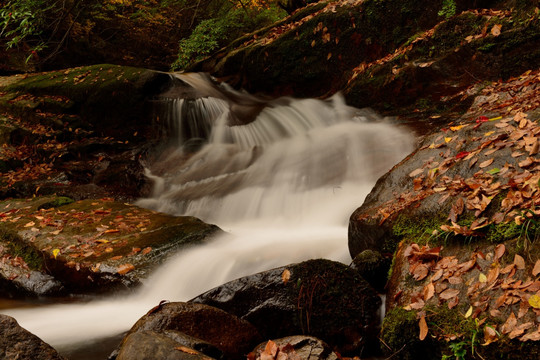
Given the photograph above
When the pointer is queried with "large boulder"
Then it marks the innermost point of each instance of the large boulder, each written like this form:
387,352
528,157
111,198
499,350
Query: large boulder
160,326
469,179
52,245
320,298
17,343
148,345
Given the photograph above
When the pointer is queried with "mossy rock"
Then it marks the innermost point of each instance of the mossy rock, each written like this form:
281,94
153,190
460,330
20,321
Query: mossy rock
111,99
95,245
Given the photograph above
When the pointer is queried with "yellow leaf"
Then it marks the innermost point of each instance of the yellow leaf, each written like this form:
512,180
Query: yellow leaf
482,278
489,133
456,128
447,139
56,252
469,312
534,301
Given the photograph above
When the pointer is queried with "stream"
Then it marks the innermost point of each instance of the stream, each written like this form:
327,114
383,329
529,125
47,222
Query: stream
281,176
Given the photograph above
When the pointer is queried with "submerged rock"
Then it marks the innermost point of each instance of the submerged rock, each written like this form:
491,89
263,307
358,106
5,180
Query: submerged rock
320,298
215,328
17,343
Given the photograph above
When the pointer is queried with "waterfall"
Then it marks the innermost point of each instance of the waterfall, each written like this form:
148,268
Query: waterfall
281,176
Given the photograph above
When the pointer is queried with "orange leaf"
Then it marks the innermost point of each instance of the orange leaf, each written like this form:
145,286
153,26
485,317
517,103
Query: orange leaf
423,328
285,276
146,250
429,291
186,350
125,268
496,30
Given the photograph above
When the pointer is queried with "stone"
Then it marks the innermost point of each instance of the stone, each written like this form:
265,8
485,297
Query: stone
319,298
17,343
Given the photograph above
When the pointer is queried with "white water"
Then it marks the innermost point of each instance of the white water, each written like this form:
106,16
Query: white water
283,185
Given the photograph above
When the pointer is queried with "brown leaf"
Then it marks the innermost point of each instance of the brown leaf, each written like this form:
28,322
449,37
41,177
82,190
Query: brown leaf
536,269
490,335
449,293
534,336
526,163
519,262
493,274
456,210
420,272
499,251
510,324
423,328
523,308
429,291
486,163
146,250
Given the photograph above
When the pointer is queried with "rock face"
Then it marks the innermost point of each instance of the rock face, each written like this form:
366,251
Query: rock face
18,344
215,328
461,215
320,298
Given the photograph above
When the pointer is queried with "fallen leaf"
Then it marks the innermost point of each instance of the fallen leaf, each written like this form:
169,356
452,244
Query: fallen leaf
519,262
490,335
469,312
486,163
186,350
125,268
285,276
536,269
510,324
30,224
499,251
534,301
429,291
423,328
449,293
482,278
496,30
146,250
416,172
56,252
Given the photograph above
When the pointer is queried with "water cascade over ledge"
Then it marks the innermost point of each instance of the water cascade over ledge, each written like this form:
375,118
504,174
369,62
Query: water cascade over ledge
281,176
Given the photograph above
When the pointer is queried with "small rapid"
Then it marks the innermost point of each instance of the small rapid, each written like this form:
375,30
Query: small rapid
282,184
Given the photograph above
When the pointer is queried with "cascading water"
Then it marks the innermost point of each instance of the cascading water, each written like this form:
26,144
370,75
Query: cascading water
283,184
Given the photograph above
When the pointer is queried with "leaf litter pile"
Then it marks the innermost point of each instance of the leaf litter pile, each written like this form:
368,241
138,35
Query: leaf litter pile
468,166
82,235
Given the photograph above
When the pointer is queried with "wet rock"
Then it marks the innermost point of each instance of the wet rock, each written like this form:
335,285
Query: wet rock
87,246
298,347
373,267
320,298
150,345
215,328
17,343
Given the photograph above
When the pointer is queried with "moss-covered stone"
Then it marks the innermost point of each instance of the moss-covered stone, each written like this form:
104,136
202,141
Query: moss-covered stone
373,267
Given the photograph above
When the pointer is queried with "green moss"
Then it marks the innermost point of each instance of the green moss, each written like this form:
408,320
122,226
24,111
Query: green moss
57,202
418,230
16,247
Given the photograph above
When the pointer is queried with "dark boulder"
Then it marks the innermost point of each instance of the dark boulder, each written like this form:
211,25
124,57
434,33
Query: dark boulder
17,343
150,345
232,336
373,267
320,298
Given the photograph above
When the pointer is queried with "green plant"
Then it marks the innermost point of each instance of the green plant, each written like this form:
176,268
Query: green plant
448,9
459,350
218,32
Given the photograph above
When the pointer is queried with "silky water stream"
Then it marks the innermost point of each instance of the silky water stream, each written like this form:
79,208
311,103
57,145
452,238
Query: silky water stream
283,183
